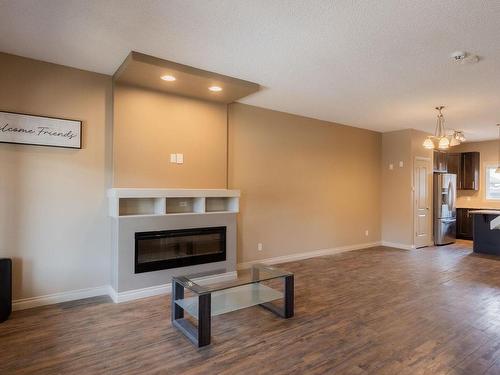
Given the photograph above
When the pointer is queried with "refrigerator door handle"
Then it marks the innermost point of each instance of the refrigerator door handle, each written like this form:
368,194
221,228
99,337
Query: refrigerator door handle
448,220
452,197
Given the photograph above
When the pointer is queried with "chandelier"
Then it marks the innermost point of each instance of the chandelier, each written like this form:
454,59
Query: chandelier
440,137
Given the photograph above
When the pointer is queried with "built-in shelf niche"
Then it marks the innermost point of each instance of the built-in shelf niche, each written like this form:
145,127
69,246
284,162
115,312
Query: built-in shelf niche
185,205
140,206
154,202
221,204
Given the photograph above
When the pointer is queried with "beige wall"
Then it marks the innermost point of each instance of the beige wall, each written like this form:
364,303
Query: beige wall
53,208
489,155
150,125
397,184
306,184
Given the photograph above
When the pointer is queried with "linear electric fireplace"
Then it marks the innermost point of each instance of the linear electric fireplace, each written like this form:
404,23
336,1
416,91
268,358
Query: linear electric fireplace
179,248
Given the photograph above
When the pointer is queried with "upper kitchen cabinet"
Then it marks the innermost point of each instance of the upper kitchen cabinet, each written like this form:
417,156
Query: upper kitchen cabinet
440,161
454,162
464,164
469,171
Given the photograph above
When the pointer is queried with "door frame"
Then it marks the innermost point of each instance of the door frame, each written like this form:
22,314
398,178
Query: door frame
430,218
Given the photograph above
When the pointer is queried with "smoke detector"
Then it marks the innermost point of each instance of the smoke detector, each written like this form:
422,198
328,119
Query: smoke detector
464,58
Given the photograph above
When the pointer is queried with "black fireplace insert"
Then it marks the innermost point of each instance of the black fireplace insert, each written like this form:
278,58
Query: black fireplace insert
179,248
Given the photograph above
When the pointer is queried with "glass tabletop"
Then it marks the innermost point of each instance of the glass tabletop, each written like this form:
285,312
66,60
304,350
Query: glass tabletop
201,283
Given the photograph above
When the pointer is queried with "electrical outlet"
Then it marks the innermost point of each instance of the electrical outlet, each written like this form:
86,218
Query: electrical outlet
391,167
367,233
259,246
180,158
401,164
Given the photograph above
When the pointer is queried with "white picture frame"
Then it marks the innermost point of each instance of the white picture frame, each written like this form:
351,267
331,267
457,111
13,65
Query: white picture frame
27,129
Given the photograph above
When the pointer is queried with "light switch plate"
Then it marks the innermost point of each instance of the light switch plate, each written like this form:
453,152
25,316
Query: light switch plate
401,164
173,158
391,166
180,158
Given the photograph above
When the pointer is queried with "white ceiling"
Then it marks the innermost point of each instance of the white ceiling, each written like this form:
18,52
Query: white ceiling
376,64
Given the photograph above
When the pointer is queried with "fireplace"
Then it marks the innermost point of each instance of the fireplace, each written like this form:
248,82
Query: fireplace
179,248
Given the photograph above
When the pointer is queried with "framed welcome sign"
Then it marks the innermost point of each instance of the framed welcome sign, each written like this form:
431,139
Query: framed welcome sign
41,131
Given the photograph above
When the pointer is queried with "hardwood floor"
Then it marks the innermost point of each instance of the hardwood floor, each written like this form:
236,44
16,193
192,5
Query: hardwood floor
380,310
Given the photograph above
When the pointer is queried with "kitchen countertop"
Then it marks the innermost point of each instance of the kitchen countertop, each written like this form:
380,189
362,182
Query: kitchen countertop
485,212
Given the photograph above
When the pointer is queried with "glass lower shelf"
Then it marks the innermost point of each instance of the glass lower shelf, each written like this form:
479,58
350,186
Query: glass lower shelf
232,299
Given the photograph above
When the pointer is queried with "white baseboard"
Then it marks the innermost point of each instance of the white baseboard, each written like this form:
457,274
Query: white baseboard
308,254
49,299
131,295
157,290
398,245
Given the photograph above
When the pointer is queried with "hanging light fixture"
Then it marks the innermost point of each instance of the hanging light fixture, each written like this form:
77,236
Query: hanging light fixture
428,143
454,141
439,133
443,141
498,165
457,137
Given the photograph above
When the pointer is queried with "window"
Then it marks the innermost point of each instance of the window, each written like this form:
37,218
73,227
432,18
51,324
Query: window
492,183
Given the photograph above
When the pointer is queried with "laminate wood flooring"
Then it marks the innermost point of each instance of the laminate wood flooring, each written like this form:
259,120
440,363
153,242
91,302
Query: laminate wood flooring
372,311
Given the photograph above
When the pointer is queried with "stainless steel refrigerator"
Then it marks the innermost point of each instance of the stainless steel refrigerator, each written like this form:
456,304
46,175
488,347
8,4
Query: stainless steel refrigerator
445,217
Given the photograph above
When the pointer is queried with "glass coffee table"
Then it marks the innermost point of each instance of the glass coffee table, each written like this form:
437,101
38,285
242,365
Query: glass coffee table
211,299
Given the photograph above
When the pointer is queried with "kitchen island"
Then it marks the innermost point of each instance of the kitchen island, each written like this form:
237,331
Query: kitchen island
486,231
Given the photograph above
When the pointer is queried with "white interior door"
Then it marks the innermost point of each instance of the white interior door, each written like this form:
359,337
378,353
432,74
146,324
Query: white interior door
422,202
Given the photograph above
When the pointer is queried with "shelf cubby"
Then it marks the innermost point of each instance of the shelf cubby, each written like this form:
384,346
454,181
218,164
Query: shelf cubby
139,206
221,204
185,205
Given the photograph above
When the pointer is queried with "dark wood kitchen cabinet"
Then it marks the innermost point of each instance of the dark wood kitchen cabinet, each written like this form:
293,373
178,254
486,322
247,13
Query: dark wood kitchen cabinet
454,166
469,171
465,165
440,161
464,223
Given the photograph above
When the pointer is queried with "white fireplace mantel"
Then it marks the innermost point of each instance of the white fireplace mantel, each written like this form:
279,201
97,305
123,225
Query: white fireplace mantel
126,202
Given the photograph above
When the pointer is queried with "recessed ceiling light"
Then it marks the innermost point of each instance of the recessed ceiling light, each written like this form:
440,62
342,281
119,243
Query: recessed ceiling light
168,78
215,88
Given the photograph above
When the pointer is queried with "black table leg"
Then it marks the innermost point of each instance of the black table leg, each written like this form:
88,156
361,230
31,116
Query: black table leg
204,319
199,336
289,296
177,312
288,300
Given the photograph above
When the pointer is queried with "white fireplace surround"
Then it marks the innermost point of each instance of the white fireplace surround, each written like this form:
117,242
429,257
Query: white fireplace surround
144,210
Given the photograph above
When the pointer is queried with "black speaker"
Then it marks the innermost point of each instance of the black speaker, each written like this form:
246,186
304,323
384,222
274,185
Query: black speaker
5,288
